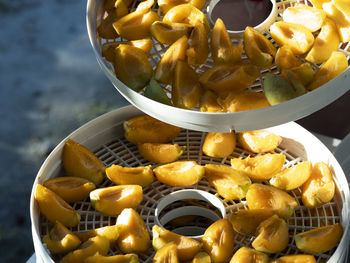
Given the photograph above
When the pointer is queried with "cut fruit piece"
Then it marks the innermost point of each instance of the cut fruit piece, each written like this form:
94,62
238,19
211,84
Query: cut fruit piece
167,254
286,59
169,32
259,141
201,257
110,232
166,5
292,177
219,145
249,255
228,182
142,175
180,173
260,167
154,91
160,152
128,258
319,240
198,47
300,258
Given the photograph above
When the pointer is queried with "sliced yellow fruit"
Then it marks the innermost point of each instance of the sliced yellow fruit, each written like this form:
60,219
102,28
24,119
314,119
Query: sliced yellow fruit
110,232
142,175
201,257
300,258
160,152
259,141
127,258
246,254
219,145
167,254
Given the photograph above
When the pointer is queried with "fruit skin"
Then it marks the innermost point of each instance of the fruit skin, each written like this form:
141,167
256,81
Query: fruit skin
219,145
303,73
132,67
260,167
259,141
167,254
261,196
335,65
134,236
247,221
128,258
168,32
110,232
160,153
186,91
142,175
246,254
180,173
201,257
166,5
300,258
228,182
325,43
222,49
154,91
165,68
113,199
310,17
292,177
218,241
319,189
60,239
259,49
144,128
79,161
54,208
187,247
319,240
209,103
286,59
198,47
70,188
105,29
297,37
271,235
98,244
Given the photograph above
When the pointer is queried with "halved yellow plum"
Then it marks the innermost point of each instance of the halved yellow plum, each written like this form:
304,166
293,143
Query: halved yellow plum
60,239
54,208
167,254
292,177
142,175
286,59
297,37
187,247
201,257
113,199
70,188
79,161
259,49
319,240
259,141
308,16
110,232
144,128
219,145
222,49
218,241
260,167
166,5
198,47
134,236
319,189
97,244
168,32
127,258
231,184
246,254
260,196
247,221
160,152
299,258
336,64
209,103
271,235
180,173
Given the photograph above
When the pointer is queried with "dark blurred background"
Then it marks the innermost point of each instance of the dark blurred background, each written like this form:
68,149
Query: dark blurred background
51,84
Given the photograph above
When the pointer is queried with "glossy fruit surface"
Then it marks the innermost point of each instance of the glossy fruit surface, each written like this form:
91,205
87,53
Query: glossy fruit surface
261,196
127,258
218,241
286,59
144,128
168,32
156,92
209,102
113,199
201,257
179,173
79,161
54,208
160,152
166,5
219,145
187,247
167,254
228,182
260,167
300,258
259,141
319,240
198,47
110,232
142,175
70,188
246,254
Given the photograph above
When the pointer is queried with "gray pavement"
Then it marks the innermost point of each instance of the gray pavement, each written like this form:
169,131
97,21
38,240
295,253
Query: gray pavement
50,84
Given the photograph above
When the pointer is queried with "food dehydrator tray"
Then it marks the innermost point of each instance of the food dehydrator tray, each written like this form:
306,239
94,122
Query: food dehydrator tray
104,136
218,122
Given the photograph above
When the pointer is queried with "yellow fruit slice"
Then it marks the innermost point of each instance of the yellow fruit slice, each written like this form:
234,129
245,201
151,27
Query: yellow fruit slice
286,59
292,177
260,167
259,141
110,232
201,257
300,258
219,145
167,254
127,258
246,254
169,32
180,173
319,240
160,153
142,175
